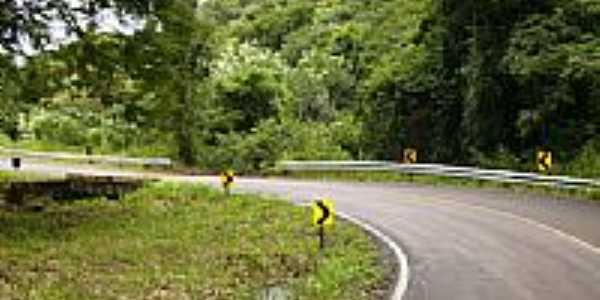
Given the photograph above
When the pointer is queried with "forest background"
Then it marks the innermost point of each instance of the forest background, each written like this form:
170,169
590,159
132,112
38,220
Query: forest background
242,84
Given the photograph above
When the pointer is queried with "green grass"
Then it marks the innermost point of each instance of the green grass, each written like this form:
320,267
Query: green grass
429,180
157,150
170,241
35,145
6,177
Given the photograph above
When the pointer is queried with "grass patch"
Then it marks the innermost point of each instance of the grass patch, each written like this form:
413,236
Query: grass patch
49,146
171,241
8,176
35,145
430,180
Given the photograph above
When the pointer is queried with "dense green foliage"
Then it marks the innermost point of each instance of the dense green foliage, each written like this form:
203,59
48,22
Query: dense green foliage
234,83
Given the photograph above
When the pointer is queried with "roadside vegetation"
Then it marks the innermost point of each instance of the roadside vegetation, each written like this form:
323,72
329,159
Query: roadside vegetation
178,241
7,177
236,84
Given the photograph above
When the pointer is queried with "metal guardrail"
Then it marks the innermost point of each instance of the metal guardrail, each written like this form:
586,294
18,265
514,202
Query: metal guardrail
150,162
504,176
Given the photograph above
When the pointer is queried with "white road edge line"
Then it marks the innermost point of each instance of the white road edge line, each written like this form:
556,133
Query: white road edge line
542,226
402,282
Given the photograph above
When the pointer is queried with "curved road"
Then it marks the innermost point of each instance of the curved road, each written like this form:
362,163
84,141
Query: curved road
462,244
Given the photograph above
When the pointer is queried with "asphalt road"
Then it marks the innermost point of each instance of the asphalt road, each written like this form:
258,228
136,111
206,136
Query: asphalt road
462,244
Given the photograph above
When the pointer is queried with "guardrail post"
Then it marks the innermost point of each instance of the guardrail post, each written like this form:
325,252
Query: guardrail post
16,163
88,152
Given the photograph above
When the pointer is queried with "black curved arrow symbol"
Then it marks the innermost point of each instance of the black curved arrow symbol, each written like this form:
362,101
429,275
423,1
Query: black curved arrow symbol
326,213
543,160
227,179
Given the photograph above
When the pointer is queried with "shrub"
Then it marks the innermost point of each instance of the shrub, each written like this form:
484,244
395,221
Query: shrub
59,128
587,162
501,159
270,142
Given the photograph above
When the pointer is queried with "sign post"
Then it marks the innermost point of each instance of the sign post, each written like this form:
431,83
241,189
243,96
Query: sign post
409,158
323,215
227,179
88,153
16,163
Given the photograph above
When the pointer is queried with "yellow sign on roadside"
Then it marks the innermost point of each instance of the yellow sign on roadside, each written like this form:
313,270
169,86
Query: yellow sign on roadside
323,213
544,161
410,156
227,179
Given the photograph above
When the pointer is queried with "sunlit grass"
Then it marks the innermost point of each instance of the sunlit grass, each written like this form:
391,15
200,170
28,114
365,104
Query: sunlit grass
7,176
170,241
154,150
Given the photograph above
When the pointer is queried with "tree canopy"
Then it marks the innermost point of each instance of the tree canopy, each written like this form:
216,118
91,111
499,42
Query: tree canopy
245,83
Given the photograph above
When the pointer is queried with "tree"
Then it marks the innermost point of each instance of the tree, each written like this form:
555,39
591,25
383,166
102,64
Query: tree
29,20
170,56
554,60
